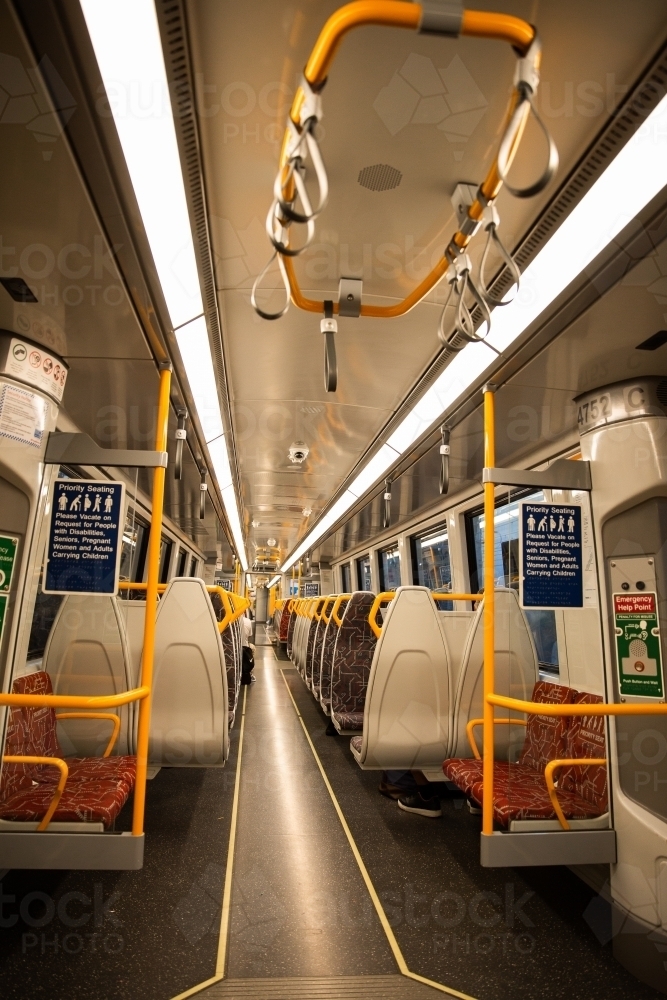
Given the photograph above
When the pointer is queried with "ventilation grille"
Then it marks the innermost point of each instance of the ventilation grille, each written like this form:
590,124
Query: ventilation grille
380,177
177,60
661,392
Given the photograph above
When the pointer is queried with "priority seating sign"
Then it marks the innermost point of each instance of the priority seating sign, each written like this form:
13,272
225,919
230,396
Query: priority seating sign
85,536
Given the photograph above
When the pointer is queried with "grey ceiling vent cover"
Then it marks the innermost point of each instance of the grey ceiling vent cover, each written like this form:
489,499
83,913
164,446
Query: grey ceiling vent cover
380,177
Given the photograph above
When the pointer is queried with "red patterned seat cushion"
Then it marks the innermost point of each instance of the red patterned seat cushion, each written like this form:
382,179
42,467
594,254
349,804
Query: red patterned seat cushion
85,801
356,742
522,797
586,738
122,770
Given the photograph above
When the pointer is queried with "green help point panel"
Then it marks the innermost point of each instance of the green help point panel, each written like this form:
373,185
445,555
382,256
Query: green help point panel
8,547
638,645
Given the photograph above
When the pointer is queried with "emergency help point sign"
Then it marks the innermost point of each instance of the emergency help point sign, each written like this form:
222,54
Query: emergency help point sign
85,537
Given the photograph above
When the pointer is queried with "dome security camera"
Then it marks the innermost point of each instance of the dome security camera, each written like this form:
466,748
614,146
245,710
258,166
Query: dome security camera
298,452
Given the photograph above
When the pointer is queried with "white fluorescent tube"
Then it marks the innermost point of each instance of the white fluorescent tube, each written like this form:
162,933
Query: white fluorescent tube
126,39
635,176
273,582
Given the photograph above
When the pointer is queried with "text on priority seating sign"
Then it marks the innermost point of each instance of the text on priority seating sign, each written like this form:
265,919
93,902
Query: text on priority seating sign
85,537
551,555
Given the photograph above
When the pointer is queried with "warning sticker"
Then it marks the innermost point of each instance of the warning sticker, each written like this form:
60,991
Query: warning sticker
638,653
8,547
37,367
22,415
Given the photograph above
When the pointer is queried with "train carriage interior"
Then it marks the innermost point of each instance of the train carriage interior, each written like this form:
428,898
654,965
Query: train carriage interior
333,499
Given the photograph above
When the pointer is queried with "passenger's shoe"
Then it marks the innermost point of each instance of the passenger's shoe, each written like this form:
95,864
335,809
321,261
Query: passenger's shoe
415,803
391,791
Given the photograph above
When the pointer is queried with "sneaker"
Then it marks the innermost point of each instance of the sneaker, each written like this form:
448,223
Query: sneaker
415,803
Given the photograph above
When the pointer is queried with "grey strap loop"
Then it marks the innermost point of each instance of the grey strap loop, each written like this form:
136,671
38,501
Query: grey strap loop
276,225
257,282
522,110
297,171
510,264
329,327
441,17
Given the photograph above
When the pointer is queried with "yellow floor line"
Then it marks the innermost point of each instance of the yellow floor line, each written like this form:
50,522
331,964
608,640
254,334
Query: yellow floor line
227,893
393,943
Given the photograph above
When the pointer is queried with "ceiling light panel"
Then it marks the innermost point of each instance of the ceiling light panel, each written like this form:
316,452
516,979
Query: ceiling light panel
126,39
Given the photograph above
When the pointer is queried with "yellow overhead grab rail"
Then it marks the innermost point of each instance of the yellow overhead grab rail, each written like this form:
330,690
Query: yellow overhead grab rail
491,699
391,594
306,112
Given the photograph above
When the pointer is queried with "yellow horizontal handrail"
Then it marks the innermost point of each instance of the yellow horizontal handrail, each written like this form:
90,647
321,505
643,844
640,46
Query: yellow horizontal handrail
549,778
445,596
597,708
127,585
337,604
75,701
317,614
480,722
60,787
395,13
97,715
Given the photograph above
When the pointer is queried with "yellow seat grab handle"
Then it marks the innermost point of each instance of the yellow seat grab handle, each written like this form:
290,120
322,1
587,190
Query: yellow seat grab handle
327,603
337,604
387,596
480,722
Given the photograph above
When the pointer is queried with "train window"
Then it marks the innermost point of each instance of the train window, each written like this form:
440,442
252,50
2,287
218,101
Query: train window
182,562
364,573
390,568
506,559
346,577
166,547
135,546
193,566
430,562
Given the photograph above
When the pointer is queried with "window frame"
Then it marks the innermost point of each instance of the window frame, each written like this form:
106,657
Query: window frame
394,547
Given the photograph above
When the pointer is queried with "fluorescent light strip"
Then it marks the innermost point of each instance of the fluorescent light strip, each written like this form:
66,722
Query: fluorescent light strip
632,179
126,39
273,582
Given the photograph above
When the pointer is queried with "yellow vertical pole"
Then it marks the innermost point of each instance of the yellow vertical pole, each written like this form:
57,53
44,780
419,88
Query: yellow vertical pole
147,655
489,608
299,586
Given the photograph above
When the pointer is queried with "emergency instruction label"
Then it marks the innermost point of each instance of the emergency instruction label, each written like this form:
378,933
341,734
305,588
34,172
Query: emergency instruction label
85,536
550,556
638,653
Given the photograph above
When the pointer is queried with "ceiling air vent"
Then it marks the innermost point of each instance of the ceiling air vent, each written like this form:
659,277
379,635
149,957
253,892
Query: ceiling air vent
380,177
654,342
661,392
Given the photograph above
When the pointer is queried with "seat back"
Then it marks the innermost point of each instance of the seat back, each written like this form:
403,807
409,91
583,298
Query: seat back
290,631
30,732
407,710
351,663
316,658
516,673
546,735
455,626
229,653
328,647
586,738
310,646
87,653
190,698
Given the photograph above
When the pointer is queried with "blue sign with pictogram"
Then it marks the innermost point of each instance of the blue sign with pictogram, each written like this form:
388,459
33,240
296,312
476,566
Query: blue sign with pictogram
551,556
85,537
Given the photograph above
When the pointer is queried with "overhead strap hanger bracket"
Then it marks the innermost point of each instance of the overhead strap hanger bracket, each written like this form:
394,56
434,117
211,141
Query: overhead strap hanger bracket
80,449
